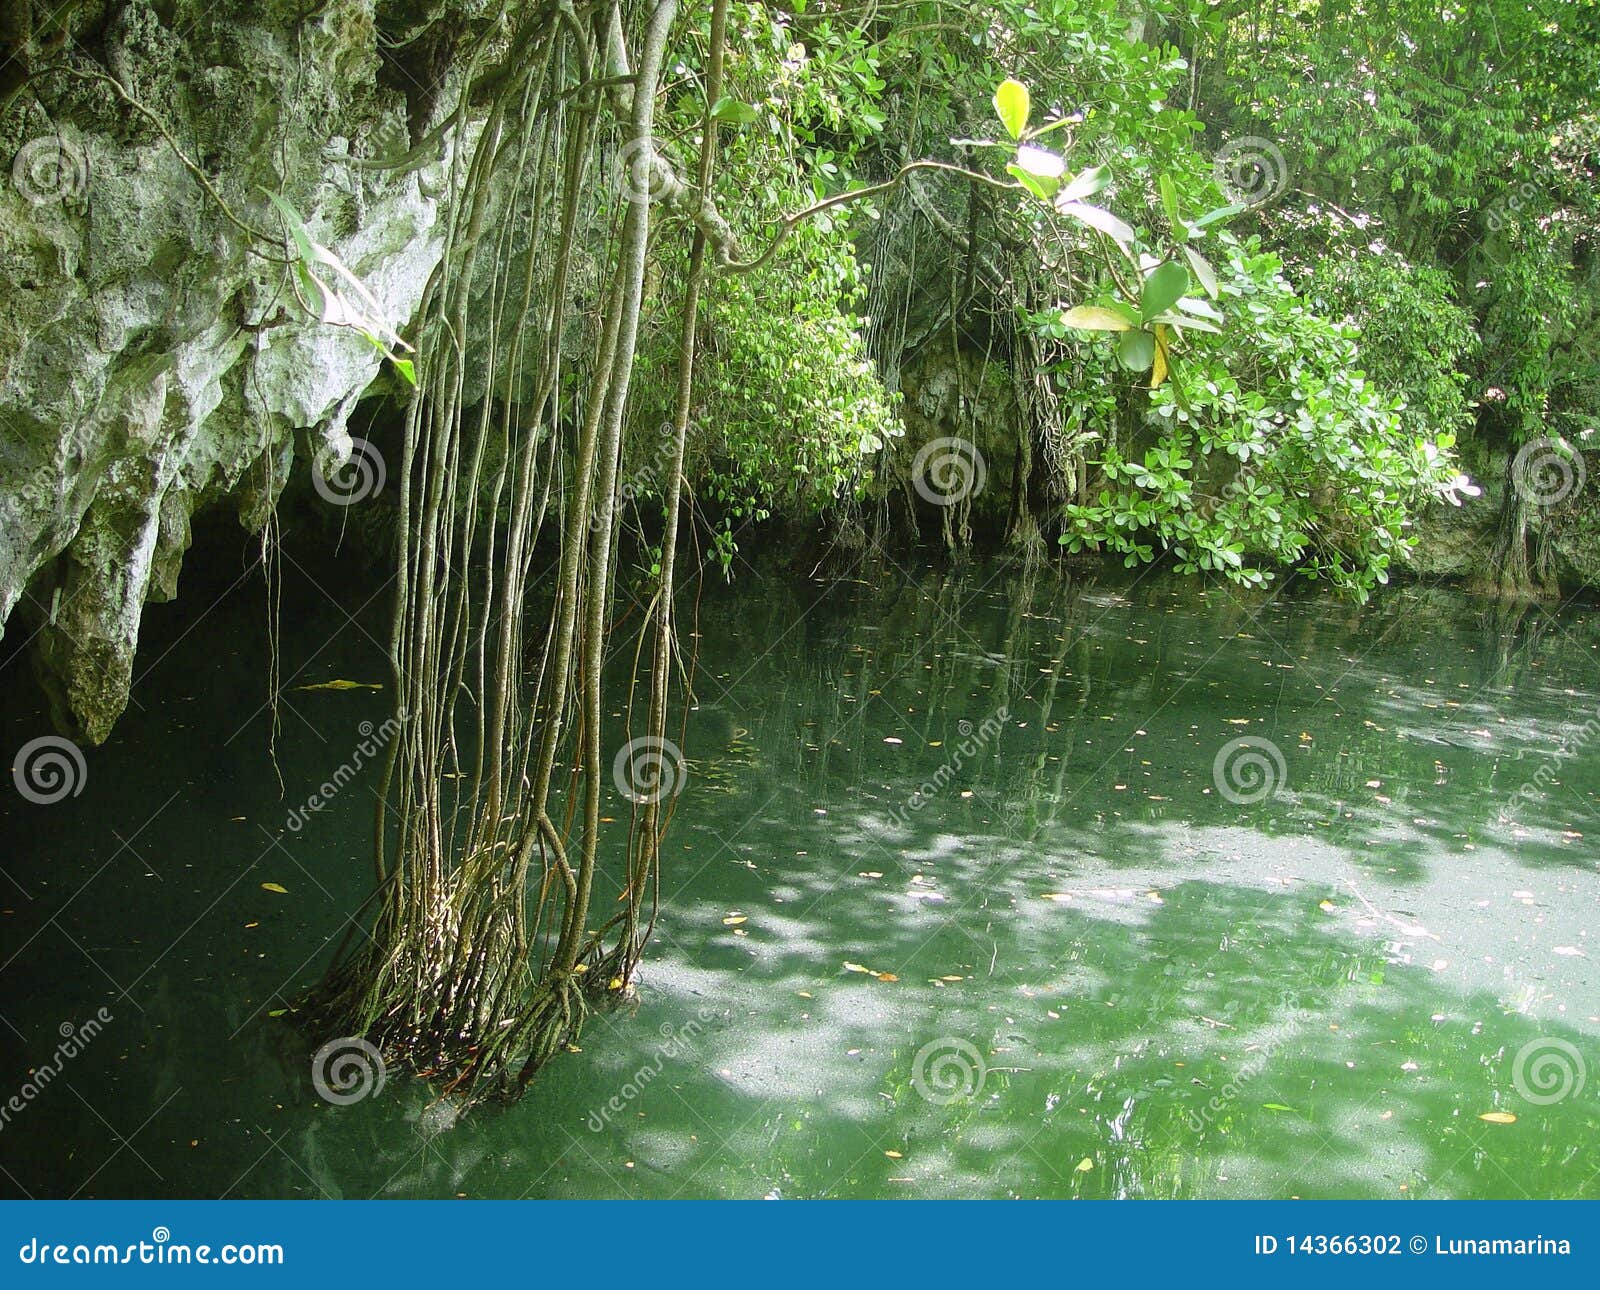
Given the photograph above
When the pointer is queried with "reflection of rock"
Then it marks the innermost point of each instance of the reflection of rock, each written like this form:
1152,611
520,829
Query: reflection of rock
149,365
436,1118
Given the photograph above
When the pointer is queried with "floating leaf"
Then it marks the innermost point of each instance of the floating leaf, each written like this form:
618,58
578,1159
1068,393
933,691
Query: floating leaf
341,685
1277,1106
272,886
893,1155
1084,1165
733,920
1498,1117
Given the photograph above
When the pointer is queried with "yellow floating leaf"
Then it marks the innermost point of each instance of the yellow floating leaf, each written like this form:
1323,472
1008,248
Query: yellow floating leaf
614,984
733,920
341,685
804,994
1326,906
1498,1117
952,978
886,976
1084,1165
856,967
893,1155
272,886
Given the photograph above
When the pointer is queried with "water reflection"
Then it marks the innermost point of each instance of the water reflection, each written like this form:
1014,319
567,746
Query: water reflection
955,905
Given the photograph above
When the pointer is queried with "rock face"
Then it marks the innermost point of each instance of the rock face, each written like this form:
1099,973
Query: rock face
154,356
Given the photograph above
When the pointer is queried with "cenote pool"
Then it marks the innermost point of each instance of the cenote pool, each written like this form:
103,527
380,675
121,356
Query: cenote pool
954,905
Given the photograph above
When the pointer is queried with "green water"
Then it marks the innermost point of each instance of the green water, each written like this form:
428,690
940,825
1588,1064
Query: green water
1120,983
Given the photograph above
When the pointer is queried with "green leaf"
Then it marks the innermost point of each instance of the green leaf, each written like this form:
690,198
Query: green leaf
733,111
1185,320
1011,104
1096,218
1211,217
1202,270
407,369
1086,183
1097,318
1136,350
1169,203
1042,188
1194,305
1163,288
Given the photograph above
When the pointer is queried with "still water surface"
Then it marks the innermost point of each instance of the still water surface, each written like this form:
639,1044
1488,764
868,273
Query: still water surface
1003,932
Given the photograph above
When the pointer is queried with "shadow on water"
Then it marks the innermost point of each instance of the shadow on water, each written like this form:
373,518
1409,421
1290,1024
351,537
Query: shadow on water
967,894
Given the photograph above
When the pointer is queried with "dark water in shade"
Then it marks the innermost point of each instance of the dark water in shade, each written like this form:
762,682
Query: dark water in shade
1078,968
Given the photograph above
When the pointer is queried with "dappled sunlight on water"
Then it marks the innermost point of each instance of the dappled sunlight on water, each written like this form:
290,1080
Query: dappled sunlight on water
966,895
